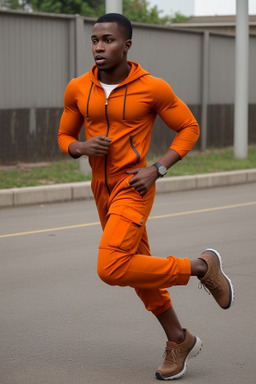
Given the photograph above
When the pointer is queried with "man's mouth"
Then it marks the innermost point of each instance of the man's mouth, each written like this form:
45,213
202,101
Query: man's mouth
100,60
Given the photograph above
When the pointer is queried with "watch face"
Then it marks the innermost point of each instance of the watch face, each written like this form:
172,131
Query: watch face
162,170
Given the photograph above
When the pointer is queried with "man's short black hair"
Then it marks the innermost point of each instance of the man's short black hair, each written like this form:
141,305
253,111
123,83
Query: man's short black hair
121,21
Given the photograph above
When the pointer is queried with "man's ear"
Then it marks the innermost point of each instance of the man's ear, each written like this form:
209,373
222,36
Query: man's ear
127,45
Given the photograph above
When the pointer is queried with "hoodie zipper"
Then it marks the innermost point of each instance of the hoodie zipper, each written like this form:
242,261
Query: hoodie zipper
106,156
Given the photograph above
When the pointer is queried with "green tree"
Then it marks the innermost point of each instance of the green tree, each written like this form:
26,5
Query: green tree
139,10
179,18
135,10
88,8
12,4
82,7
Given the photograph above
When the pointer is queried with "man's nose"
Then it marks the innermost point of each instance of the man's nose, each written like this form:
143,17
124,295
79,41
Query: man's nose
99,47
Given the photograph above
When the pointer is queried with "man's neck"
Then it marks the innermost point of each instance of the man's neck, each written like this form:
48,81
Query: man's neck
115,76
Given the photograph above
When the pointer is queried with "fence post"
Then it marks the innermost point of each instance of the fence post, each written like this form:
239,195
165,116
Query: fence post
80,46
241,81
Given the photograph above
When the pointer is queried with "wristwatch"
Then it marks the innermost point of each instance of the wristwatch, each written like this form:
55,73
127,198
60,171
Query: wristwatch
161,169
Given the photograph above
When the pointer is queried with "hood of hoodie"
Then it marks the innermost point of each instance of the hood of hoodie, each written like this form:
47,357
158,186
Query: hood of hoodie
135,73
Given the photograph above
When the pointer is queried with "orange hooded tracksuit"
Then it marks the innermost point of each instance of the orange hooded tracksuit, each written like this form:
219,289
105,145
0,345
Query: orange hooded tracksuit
127,117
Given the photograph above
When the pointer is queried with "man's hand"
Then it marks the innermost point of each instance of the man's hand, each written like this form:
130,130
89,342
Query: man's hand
143,178
95,147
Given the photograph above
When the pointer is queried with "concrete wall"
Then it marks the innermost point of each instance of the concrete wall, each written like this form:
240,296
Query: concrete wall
40,53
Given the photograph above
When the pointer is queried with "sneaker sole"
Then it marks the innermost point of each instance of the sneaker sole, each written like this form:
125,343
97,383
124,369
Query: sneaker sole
192,353
231,288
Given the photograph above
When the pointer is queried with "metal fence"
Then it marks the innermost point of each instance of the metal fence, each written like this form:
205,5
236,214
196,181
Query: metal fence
40,53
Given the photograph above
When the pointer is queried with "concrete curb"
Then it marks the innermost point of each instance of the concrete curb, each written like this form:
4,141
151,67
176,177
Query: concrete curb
14,197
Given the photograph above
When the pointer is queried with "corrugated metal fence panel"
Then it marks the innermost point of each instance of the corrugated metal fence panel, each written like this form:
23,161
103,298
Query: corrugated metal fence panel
35,62
222,70
176,57
41,53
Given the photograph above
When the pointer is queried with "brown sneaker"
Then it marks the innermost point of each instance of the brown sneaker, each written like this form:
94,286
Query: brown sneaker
215,280
176,356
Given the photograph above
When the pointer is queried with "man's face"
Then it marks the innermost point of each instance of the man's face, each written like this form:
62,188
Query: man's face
109,46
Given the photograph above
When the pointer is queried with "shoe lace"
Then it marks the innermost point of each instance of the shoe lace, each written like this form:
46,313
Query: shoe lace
207,285
171,354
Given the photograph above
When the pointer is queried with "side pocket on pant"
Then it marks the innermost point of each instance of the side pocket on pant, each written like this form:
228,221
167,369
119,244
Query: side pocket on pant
125,235
123,231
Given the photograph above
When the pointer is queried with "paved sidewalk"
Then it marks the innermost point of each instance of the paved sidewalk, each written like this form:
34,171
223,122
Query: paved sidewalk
82,190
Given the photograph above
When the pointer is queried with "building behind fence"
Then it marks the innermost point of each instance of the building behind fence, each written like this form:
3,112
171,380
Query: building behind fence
41,52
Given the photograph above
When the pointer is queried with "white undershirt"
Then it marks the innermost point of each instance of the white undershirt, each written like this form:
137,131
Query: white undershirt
108,88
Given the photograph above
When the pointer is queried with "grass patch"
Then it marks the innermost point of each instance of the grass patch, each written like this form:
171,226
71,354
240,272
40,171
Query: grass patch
67,171
213,161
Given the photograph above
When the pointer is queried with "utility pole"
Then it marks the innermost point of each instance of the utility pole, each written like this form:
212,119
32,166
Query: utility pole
114,6
241,80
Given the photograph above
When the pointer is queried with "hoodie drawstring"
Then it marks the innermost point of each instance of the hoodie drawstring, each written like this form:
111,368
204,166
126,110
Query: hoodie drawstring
88,100
89,96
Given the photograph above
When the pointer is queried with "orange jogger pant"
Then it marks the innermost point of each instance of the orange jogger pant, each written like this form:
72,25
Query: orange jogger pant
124,255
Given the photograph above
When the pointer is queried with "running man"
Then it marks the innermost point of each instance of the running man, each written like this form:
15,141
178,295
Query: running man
117,102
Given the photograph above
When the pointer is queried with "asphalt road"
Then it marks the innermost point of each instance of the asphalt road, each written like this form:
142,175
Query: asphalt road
61,325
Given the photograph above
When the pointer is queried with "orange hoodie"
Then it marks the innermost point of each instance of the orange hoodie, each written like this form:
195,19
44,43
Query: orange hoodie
127,117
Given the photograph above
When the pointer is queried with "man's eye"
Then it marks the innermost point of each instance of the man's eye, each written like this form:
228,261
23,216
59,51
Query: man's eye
94,41
109,40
